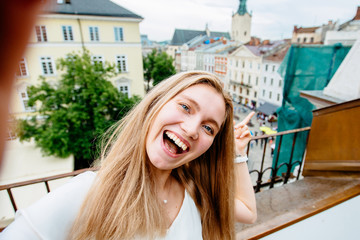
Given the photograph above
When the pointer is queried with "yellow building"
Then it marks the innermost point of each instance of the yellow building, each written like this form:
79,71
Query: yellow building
107,30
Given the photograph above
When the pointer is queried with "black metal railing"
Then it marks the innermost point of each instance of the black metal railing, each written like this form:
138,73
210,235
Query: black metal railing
275,166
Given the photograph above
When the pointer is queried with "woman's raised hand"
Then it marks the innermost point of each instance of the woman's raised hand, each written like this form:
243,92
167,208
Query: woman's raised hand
242,135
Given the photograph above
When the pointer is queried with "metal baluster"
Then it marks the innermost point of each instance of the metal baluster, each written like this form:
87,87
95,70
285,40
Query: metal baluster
290,162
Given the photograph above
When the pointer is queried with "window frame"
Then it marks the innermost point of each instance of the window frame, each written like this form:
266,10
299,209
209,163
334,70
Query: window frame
119,34
20,69
47,60
94,34
67,33
41,33
121,62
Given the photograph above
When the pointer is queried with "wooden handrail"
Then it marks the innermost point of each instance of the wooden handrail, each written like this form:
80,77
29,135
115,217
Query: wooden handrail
45,179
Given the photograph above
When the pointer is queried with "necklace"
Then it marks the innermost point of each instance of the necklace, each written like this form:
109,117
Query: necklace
165,200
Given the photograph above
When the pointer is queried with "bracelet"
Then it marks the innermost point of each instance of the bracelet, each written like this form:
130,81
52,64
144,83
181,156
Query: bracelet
240,159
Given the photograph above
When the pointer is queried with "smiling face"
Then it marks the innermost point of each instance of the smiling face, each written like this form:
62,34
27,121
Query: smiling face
185,127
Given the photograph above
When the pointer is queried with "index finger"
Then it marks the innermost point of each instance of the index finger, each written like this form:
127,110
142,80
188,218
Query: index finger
247,118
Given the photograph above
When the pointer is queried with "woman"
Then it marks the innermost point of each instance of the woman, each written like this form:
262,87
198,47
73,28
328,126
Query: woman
167,172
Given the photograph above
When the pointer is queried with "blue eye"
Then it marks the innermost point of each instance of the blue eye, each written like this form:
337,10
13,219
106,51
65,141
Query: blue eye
185,107
209,129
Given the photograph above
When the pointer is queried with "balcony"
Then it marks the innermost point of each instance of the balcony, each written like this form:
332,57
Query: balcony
304,203
242,84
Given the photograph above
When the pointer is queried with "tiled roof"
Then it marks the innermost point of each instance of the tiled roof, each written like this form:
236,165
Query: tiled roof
90,7
182,36
306,30
278,56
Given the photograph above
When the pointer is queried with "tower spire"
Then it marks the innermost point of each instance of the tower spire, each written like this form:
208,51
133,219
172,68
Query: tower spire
242,8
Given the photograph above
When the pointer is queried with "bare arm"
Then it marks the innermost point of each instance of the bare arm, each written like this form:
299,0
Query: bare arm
245,204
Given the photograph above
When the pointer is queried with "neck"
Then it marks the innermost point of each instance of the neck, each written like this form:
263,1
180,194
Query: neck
163,181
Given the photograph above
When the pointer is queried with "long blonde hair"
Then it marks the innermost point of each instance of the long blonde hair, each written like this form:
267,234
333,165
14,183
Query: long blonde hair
122,203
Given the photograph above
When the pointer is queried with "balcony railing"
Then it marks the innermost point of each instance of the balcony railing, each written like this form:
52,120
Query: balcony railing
273,176
260,182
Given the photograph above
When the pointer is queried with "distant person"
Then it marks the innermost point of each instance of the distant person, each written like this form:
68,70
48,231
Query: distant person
168,172
17,19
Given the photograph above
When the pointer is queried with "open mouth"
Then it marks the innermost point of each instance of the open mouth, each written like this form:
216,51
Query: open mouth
174,144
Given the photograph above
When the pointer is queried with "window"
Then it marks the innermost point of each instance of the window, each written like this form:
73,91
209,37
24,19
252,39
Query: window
240,90
311,39
247,92
41,33
298,40
47,65
270,95
263,93
264,80
234,88
279,83
273,68
94,34
243,64
121,63
22,69
97,60
257,81
249,80
304,39
67,33
124,88
119,36
278,97
25,99
250,64
255,93
271,82
266,67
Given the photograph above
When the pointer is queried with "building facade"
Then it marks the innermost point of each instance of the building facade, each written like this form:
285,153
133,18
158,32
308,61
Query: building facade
242,79
108,31
271,82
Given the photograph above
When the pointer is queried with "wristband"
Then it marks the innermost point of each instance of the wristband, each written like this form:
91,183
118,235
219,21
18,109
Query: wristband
240,159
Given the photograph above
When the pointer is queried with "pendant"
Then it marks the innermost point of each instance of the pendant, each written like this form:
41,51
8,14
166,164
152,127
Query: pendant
165,201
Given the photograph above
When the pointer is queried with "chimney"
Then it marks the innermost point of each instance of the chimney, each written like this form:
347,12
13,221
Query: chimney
295,29
357,16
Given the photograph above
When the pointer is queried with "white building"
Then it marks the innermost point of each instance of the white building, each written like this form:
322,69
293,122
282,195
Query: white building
243,75
346,33
271,83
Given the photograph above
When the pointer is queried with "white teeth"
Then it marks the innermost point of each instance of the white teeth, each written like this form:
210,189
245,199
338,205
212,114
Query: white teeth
176,140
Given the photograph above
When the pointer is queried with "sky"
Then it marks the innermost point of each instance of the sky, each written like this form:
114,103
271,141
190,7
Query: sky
271,19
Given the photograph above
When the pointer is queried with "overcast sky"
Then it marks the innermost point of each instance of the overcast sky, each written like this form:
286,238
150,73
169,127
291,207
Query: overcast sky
271,19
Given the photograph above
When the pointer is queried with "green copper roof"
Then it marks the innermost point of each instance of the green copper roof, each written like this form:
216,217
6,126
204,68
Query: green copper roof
242,8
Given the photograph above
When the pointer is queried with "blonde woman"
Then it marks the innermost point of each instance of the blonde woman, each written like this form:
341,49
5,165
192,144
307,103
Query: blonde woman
167,172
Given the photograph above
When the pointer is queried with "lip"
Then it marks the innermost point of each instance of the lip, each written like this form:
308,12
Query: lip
170,153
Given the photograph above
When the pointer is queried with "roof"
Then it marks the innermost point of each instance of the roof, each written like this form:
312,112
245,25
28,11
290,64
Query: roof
306,30
268,108
279,55
90,7
182,36
242,8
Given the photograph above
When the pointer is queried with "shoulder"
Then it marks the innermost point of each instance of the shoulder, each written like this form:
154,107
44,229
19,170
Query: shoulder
53,215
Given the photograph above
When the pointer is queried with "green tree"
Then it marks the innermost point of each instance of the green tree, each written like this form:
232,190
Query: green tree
72,114
157,67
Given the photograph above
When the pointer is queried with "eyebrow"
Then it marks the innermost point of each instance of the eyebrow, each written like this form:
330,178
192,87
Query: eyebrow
197,106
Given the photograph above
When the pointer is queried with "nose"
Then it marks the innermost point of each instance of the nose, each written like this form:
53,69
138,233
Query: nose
191,128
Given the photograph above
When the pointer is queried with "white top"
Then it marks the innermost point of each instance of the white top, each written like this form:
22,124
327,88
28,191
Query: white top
52,216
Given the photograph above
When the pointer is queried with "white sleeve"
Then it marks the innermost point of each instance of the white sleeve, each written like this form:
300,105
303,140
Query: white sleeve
53,215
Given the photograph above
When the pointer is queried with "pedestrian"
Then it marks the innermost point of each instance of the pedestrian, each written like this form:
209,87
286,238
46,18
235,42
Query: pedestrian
256,140
167,172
